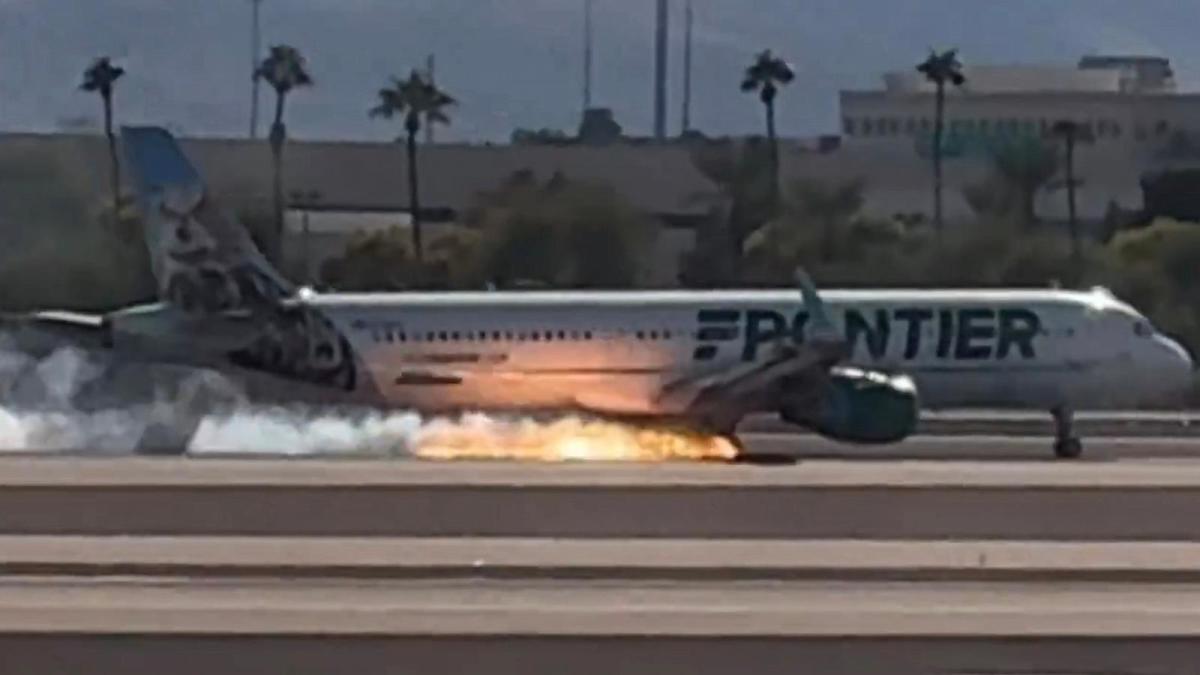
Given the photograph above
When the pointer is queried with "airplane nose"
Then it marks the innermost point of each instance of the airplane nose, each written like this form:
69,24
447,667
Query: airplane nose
1174,370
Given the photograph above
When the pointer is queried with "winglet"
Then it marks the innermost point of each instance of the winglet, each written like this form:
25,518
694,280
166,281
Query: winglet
818,313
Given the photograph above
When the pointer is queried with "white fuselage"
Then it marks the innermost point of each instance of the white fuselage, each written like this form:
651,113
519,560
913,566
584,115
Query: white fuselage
615,352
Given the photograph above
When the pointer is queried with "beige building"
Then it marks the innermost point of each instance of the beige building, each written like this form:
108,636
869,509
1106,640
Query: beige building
1138,120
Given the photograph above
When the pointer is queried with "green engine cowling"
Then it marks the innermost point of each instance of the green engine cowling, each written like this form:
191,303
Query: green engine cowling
859,407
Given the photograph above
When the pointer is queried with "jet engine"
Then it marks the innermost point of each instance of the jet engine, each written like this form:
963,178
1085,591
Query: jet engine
857,406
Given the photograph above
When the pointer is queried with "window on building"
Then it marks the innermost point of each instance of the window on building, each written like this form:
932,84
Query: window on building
910,126
867,127
848,126
1117,130
587,335
926,124
1161,128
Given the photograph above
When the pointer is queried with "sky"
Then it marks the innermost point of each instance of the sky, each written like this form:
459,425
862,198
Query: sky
518,63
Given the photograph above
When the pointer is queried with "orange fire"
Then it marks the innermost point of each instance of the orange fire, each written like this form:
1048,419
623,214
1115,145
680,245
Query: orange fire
565,440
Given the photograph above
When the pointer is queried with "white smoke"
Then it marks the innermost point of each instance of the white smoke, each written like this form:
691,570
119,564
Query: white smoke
77,402
71,401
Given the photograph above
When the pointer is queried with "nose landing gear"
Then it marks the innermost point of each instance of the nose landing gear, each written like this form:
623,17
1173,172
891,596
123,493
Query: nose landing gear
1066,444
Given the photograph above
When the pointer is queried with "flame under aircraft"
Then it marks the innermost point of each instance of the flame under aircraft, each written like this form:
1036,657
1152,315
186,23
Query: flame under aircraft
845,364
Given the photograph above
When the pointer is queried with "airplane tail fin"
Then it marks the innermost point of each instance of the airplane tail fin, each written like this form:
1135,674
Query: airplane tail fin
204,261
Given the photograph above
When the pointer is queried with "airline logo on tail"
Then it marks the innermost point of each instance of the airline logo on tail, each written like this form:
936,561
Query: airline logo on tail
207,265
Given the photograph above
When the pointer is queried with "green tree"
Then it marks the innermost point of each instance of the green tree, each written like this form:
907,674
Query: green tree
739,204
1072,134
830,207
560,233
419,101
285,70
941,68
1020,170
379,261
766,75
101,78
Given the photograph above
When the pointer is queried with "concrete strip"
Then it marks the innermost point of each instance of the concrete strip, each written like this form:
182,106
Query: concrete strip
322,654
216,557
819,500
1185,423
217,474
191,607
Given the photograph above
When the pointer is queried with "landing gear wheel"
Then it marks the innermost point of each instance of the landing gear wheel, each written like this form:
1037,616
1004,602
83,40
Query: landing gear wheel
1068,448
1066,444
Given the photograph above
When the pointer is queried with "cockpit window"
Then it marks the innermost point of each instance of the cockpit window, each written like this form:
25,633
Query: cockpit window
1143,329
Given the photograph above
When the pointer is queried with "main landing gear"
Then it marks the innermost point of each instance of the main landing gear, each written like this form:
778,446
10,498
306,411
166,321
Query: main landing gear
1066,444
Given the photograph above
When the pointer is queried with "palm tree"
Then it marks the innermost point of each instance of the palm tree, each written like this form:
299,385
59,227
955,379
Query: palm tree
285,70
941,69
1072,133
766,76
419,101
101,77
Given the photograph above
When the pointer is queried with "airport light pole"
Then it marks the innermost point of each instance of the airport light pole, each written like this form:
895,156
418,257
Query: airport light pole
255,53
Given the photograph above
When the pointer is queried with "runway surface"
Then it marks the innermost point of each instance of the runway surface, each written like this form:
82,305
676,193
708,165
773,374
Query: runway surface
190,626
970,554
1126,498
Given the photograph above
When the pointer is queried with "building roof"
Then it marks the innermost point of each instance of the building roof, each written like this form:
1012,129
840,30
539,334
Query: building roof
1014,79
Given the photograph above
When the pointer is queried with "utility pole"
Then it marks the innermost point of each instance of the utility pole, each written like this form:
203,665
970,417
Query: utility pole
255,53
661,32
587,55
687,69
430,66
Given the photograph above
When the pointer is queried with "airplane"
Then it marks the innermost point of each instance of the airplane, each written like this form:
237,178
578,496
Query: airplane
851,365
